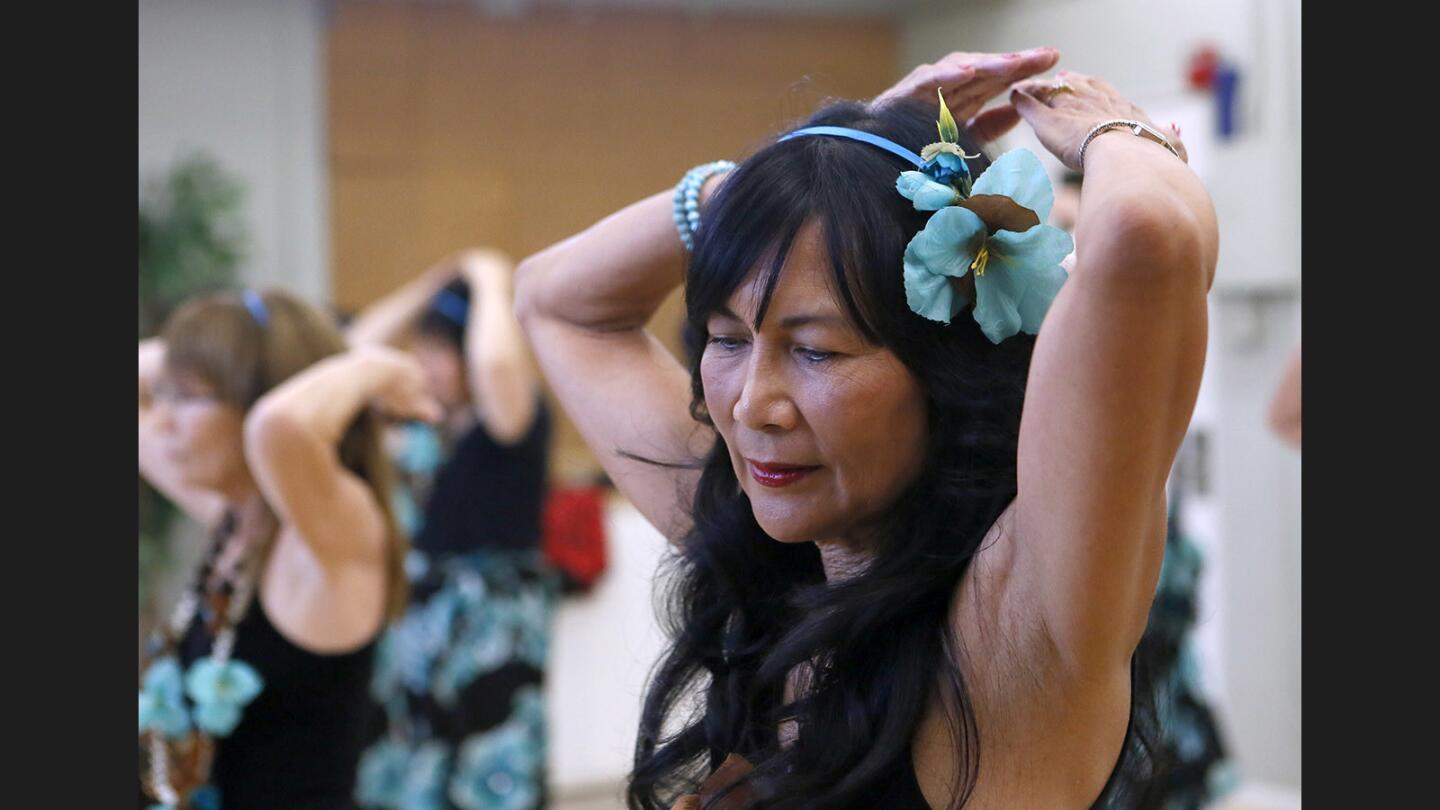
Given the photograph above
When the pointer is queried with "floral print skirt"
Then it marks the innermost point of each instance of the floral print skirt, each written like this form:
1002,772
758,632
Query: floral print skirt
458,682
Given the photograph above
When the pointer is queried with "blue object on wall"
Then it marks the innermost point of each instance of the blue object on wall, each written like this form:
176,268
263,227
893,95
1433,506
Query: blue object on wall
1226,85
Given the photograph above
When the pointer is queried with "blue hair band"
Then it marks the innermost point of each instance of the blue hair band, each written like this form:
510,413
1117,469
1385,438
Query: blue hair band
256,305
452,306
857,135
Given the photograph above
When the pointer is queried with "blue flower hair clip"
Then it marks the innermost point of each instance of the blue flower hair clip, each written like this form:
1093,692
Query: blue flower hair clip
994,227
944,159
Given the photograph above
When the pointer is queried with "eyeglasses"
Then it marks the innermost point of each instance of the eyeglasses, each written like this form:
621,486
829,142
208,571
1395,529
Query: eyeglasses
178,394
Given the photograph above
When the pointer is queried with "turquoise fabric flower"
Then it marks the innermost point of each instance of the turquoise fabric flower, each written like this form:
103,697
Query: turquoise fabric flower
942,250
220,692
499,770
218,719
162,700
924,192
1017,267
946,167
1019,175
1024,278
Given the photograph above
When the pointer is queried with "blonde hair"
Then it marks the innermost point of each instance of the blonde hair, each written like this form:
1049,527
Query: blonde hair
218,339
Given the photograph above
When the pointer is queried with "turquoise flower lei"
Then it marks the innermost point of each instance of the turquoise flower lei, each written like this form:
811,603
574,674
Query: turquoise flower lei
218,686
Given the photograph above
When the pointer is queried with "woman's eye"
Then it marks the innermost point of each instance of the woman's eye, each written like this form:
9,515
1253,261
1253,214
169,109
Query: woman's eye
726,343
814,355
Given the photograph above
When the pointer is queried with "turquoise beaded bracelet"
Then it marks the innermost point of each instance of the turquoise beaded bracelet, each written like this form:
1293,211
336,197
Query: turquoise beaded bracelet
687,199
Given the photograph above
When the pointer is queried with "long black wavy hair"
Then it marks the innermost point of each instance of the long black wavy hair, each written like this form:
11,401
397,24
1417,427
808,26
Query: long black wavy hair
744,610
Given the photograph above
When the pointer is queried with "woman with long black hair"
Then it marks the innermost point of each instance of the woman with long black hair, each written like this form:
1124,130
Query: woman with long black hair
918,532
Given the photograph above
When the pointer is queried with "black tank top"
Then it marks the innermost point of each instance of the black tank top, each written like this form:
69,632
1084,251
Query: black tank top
488,495
903,792
298,743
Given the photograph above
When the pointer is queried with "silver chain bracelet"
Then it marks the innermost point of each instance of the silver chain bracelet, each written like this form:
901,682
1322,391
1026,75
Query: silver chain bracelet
1136,128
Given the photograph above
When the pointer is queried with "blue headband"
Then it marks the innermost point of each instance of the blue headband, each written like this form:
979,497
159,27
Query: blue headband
256,305
864,137
452,306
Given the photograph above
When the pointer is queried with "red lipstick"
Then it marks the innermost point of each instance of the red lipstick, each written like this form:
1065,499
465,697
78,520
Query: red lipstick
778,475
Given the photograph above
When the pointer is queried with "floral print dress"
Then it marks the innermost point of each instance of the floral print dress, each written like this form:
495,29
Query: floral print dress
459,678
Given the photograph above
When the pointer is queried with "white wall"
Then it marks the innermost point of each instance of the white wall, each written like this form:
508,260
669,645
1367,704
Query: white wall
1257,481
1142,48
604,646
244,80
1249,525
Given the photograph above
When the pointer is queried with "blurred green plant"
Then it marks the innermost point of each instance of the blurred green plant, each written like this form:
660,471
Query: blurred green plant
192,239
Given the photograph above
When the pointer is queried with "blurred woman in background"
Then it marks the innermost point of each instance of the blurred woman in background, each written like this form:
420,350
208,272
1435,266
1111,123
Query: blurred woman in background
459,677
258,423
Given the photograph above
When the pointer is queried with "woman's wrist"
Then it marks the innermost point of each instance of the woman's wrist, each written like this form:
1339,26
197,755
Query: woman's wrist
1112,137
691,193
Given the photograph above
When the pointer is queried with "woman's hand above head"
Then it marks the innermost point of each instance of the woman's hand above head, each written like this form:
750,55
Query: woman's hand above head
1138,192
969,81
482,267
399,389
390,319
1062,110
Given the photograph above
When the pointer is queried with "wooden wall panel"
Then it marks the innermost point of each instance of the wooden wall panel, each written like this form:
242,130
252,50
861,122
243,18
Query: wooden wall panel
449,128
